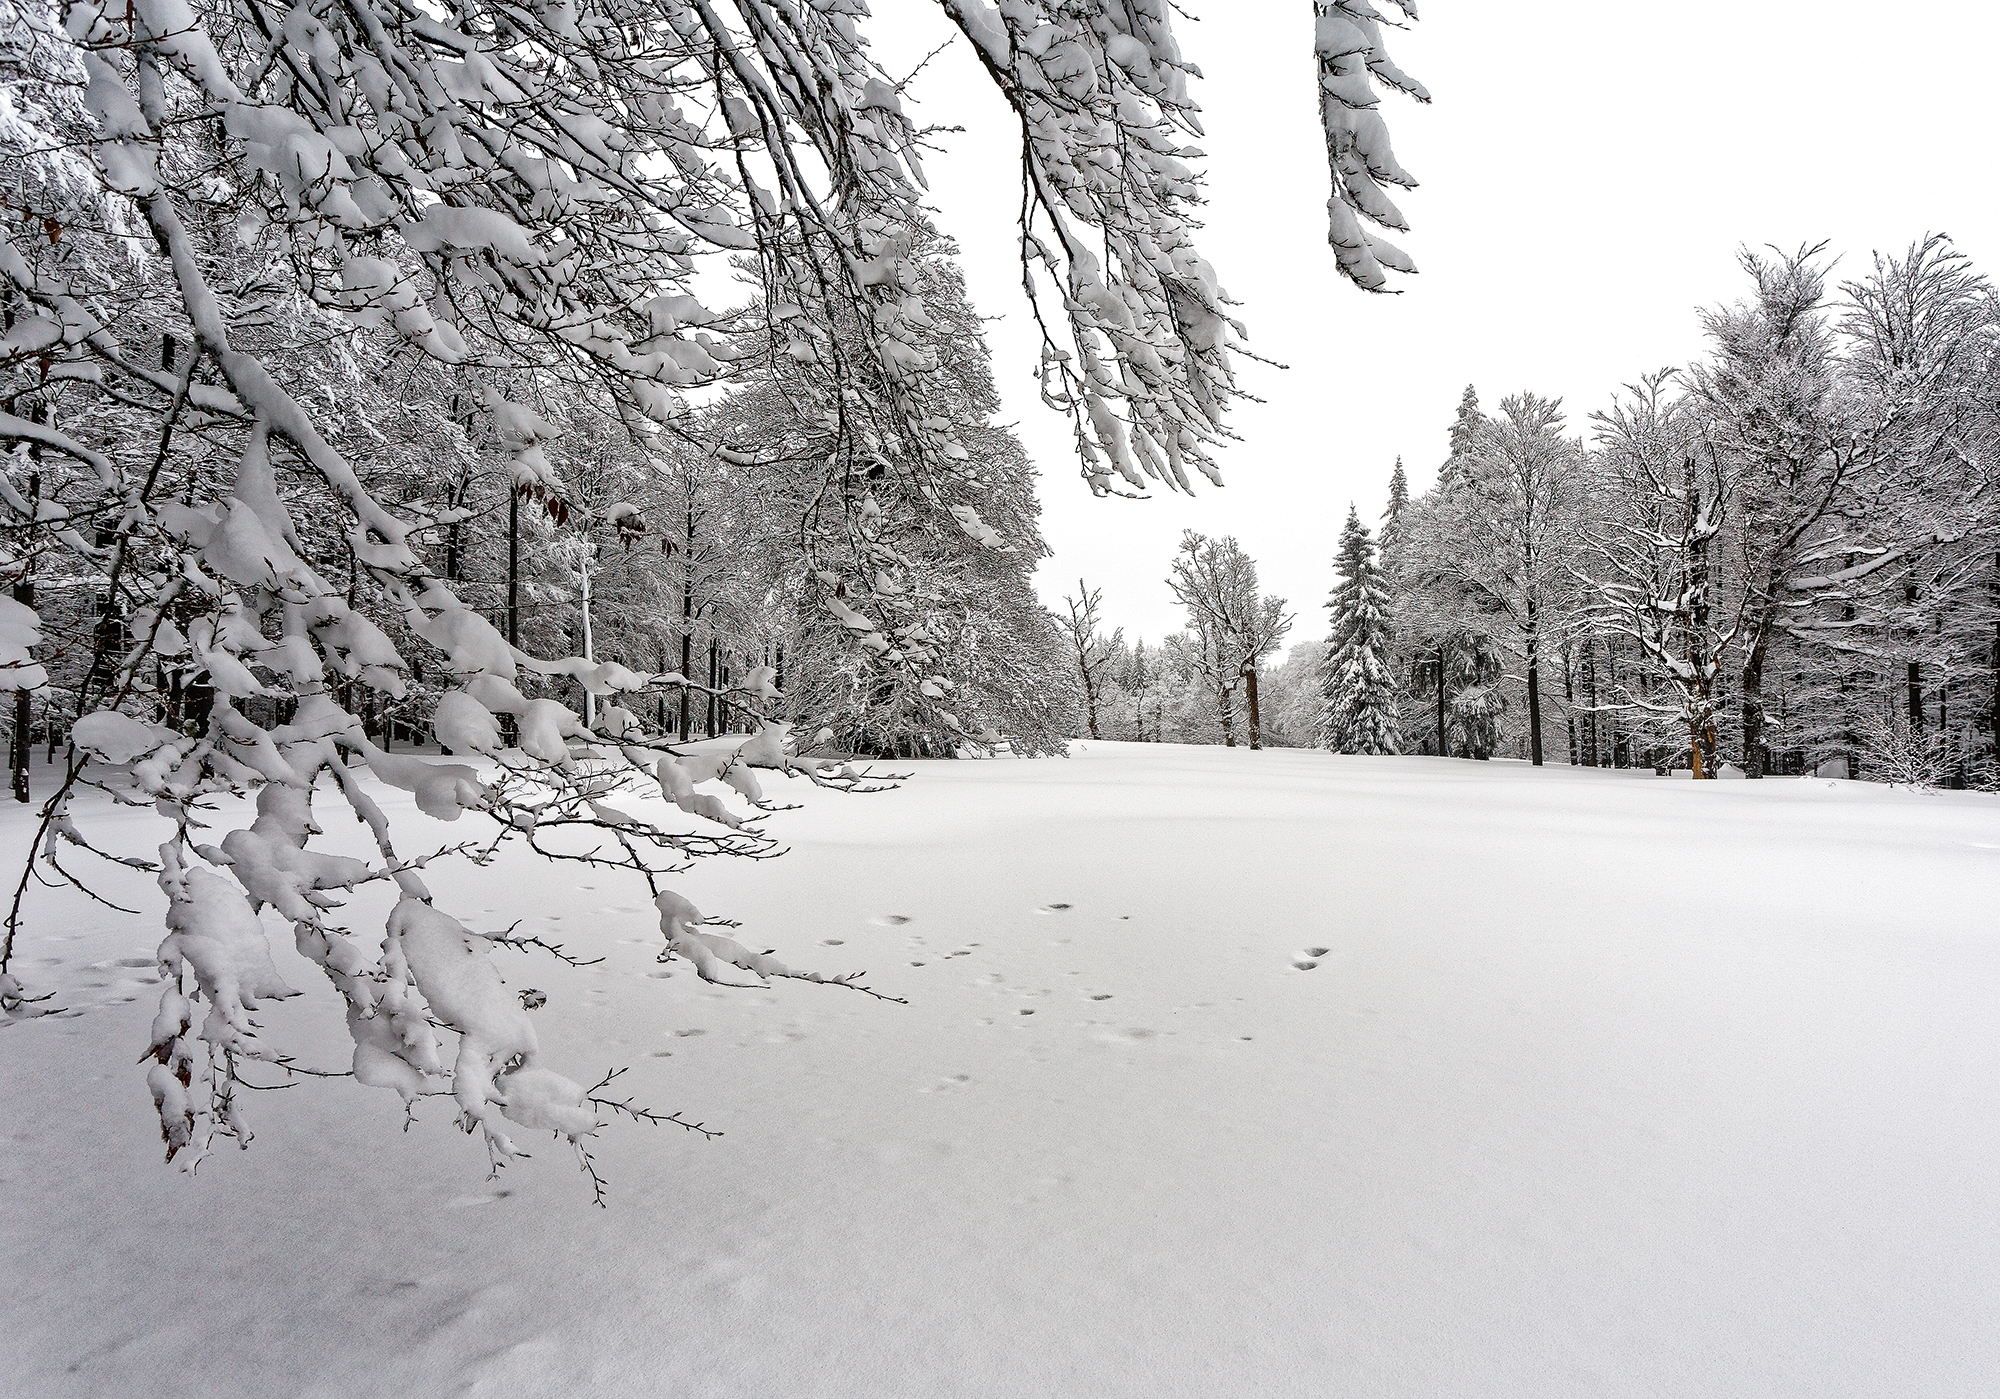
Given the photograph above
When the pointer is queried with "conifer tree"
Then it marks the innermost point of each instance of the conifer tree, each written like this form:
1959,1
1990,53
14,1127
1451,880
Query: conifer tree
1399,501
1464,437
1358,689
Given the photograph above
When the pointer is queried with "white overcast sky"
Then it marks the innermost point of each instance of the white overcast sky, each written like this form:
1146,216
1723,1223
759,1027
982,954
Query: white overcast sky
1588,170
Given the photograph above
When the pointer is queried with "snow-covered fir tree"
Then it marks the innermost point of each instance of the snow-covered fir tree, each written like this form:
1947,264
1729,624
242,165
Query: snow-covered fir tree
1399,501
1466,425
1357,689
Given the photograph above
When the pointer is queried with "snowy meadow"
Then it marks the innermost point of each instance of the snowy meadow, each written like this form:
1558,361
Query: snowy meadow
1221,1073
567,835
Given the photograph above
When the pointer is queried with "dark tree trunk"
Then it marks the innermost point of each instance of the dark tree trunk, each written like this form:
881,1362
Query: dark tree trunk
1569,709
24,593
1250,696
1756,761
1443,733
1590,751
660,700
1225,707
1534,713
708,725
1534,689
454,534
687,617
1993,704
1913,676
514,569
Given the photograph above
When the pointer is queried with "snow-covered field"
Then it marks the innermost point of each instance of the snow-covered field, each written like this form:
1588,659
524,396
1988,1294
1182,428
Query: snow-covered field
1602,1085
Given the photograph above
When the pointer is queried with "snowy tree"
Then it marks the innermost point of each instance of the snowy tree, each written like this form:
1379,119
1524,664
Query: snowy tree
1663,500
1399,501
1357,689
1921,334
1231,625
1466,425
1476,702
1417,549
961,597
1292,704
1094,652
1492,546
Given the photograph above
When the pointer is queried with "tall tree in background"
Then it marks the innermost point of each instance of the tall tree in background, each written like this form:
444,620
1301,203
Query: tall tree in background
1357,689
1661,501
1231,625
1093,652
1466,425
1520,530
1399,501
1430,627
1772,402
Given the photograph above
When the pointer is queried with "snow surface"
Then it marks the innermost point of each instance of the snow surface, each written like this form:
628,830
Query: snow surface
1602,1084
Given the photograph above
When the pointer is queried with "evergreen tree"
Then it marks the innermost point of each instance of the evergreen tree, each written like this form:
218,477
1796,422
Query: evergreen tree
1464,439
1399,501
1476,703
1355,681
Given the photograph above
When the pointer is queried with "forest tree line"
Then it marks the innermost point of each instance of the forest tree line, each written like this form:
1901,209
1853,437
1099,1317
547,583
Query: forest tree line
1781,559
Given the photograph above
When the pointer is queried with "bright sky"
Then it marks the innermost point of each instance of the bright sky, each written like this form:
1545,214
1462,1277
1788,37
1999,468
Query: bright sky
1588,171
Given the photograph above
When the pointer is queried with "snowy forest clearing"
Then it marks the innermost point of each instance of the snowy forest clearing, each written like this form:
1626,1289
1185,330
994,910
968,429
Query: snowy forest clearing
1602,1084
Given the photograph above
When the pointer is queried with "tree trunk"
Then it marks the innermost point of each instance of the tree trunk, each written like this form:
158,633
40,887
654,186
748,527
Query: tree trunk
1534,689
454,534
1225,708
1590,749
1444,736
687,621
1089,697
24,593
1993,705
1752,700
514,568
1250,695
1915,681
1534,713
708,725
1569,709
1621,738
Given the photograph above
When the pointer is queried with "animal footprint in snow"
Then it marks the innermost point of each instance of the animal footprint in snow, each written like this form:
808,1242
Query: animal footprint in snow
1055,908
1130,1034
1304,964
468,1201
1317,951
1102,996
893,920
832,942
